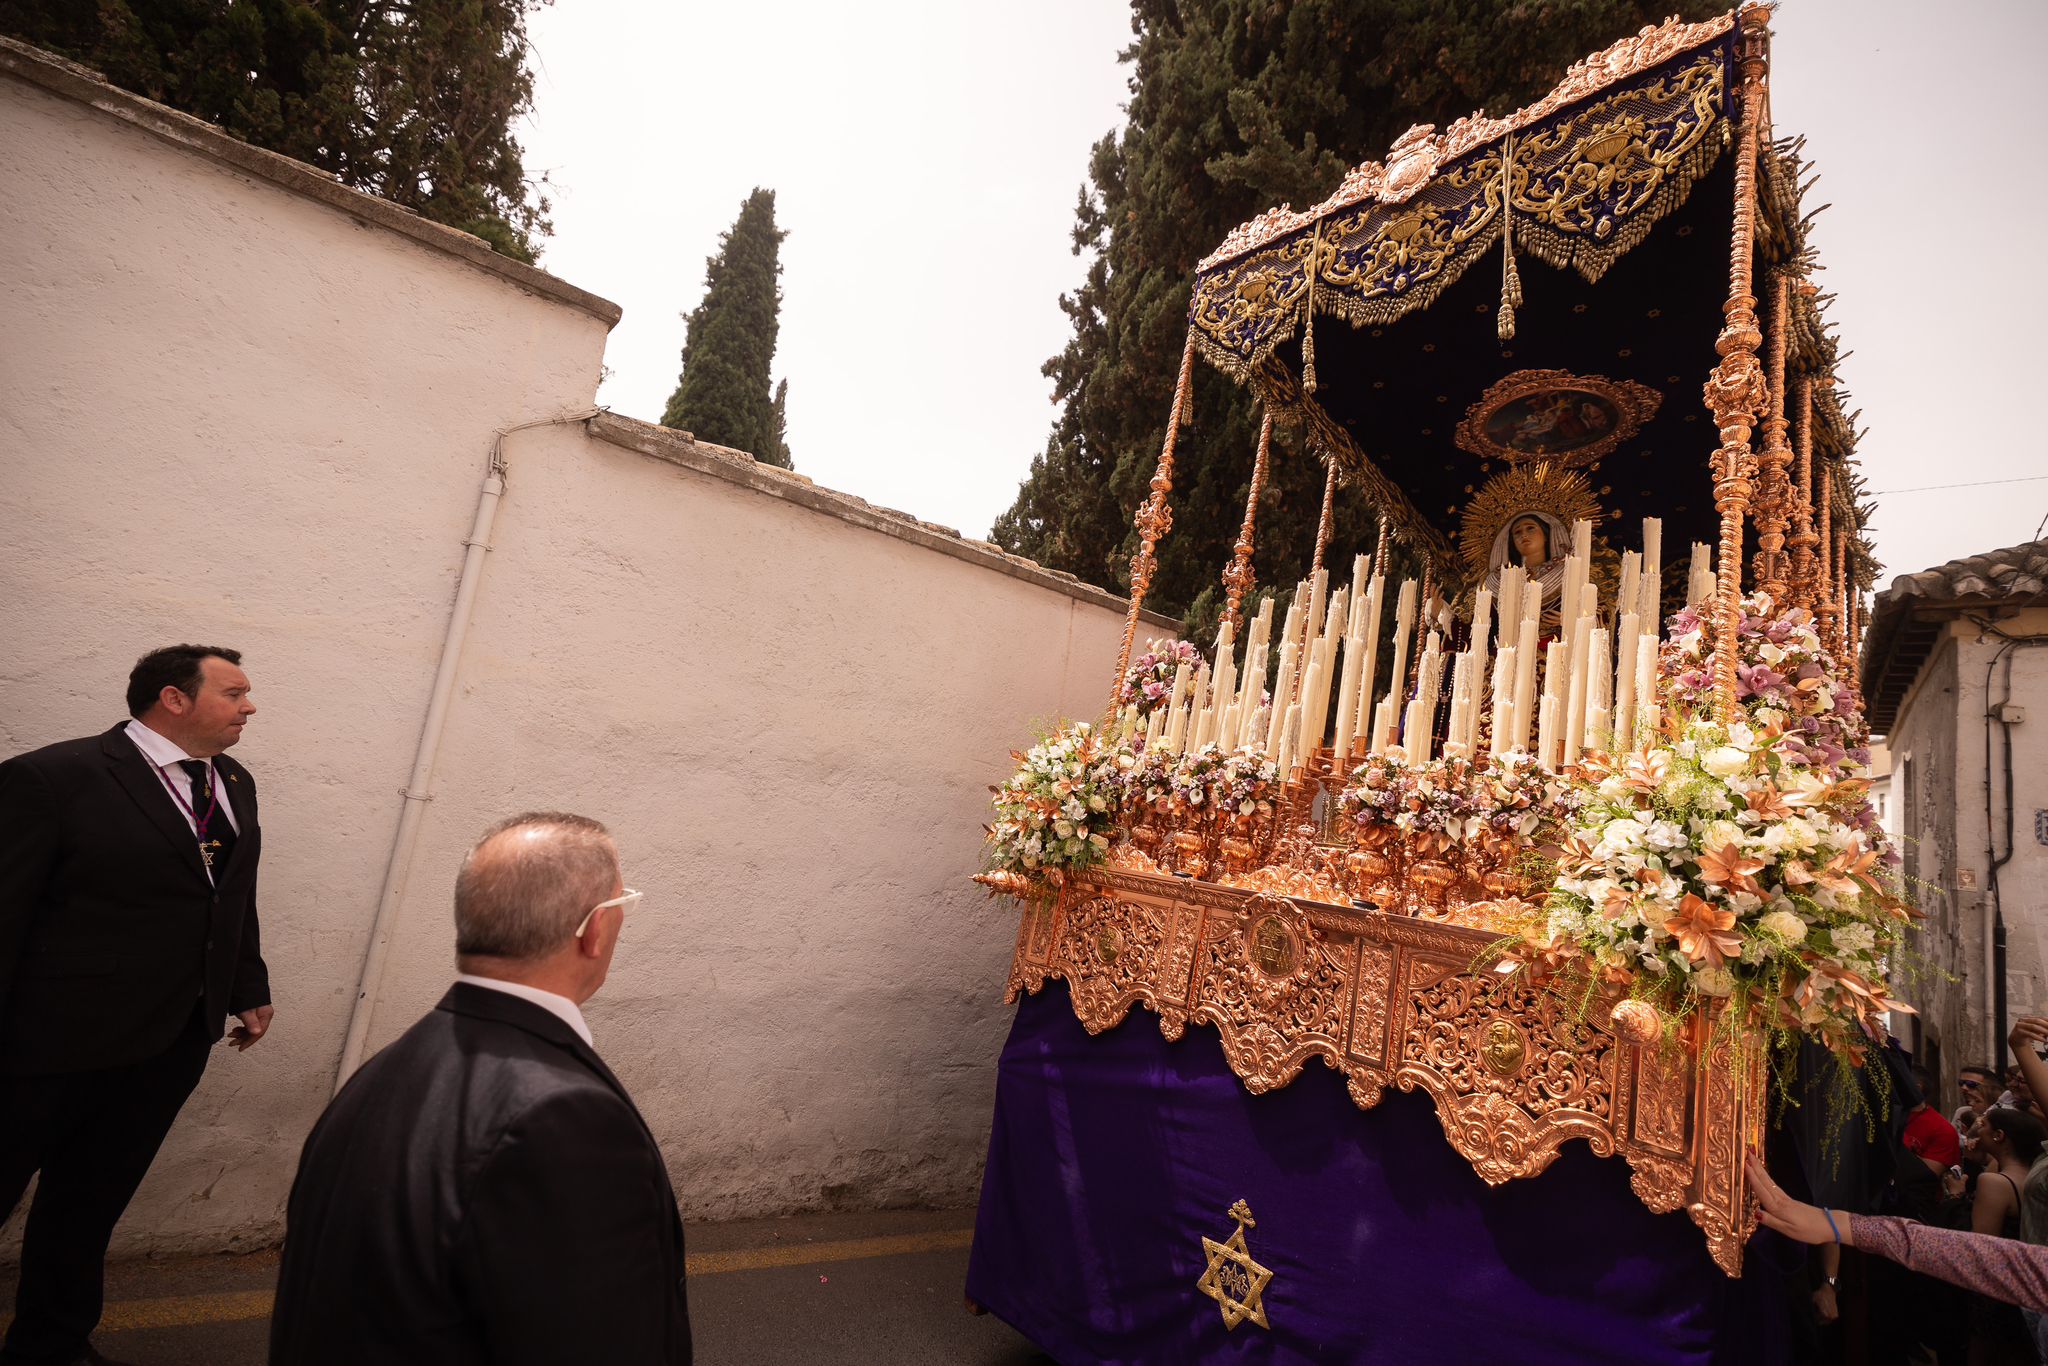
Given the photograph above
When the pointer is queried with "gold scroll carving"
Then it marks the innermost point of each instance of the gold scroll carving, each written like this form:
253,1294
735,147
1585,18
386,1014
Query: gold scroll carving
1514,1069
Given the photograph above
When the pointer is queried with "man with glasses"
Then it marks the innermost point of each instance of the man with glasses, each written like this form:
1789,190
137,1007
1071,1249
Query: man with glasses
1980,1087
484,1190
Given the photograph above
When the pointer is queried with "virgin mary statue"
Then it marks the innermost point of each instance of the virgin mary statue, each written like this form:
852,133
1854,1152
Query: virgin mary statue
1524,517
1539,543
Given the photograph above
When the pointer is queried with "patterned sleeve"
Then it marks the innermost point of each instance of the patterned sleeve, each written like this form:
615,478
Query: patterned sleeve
2000,1268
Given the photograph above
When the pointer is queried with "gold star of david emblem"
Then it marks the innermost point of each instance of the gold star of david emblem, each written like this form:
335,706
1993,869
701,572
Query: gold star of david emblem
1234,1280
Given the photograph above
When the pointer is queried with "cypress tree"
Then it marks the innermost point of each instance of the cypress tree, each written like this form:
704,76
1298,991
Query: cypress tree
412,100
723,393
1238,105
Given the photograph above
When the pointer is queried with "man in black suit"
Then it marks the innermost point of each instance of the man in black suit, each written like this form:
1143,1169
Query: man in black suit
483,1190
127,936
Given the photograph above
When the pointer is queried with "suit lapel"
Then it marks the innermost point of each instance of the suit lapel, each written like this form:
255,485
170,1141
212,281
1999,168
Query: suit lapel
133,772
239,793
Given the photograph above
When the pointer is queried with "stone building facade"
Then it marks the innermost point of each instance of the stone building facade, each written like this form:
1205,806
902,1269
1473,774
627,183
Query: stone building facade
1956,680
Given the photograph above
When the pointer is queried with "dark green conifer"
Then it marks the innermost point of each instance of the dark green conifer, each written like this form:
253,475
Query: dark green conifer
412,100
723,394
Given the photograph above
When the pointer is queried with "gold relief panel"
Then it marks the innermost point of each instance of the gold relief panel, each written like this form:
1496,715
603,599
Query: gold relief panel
1513,1068
1374,1000
1272,1022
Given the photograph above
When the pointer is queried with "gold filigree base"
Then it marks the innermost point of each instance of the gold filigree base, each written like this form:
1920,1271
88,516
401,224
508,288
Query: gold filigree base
1514,1068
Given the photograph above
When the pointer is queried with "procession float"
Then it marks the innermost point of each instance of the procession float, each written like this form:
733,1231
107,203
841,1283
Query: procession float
1549,853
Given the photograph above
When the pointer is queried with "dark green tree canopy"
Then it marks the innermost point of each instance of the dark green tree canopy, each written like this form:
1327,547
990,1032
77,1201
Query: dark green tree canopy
1237,106
412,100
724,394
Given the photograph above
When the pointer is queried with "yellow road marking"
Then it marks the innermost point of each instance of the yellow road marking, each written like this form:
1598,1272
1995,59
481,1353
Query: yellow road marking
805,1254
232,1306
178,1311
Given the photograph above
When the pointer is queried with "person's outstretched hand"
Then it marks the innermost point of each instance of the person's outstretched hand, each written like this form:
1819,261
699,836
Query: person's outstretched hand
2029,1032
1801,1222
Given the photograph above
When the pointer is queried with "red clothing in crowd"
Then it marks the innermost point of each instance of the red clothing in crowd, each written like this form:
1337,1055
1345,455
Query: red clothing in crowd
1930,1136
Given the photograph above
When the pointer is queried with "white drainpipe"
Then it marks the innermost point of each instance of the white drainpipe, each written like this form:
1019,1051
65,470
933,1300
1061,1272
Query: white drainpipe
416,792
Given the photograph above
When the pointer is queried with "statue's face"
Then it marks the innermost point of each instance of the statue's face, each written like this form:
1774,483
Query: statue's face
1528,537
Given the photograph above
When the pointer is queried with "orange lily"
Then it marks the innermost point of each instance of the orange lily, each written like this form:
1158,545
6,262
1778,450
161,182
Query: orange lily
1769,803
1647,769
1844,875
1705,931
1728,867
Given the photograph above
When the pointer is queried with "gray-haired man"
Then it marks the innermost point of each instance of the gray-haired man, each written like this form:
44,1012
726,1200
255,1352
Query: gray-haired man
483,1190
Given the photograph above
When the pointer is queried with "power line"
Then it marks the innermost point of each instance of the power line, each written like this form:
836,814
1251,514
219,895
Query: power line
1981,483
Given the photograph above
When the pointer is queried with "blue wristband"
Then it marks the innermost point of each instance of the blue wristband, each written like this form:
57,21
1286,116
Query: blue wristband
1831,1224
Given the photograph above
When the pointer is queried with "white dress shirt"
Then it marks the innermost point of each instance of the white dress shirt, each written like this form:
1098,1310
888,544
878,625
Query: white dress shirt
166,756
561,1007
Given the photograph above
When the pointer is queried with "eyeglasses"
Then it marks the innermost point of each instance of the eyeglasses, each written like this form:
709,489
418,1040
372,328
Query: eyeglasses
624,901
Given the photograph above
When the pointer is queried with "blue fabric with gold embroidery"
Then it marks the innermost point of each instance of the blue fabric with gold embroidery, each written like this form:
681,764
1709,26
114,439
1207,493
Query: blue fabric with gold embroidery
1585,186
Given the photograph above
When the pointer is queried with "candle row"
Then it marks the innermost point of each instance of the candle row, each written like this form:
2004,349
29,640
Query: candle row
1598,676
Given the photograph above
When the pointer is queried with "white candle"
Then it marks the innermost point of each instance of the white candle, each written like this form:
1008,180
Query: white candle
1250,702
1182,677
1625,595
1347,689
1287,752
1368,666
1503,699
1419,734
1650,597
1404,625
1223,686
1648,708
1306,737
1575,695
1283,697
1525,678
1699,582
1318,589
1512,586
1625,681
1461,705
1599,695
1546,722
1482,612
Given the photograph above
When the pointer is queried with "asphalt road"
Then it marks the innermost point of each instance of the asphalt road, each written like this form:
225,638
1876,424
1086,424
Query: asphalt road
803,1291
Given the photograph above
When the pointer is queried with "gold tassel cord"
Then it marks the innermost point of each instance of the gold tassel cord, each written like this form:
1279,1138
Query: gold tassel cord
1308,313
1510,277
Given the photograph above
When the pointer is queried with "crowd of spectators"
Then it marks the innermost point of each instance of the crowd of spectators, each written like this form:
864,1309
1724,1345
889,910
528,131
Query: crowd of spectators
1948,1260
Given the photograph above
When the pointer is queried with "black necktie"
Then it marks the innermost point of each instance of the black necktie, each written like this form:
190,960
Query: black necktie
218,838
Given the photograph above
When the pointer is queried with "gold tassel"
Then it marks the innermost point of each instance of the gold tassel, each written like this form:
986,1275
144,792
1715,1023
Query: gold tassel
1308,319
1510,278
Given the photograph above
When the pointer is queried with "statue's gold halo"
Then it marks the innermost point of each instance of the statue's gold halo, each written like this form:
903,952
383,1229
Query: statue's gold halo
1541,486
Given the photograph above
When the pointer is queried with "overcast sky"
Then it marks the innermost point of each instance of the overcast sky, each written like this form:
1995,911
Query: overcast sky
926,158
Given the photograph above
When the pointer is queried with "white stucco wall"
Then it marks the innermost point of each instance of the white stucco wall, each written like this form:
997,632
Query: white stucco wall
1938,745
249,411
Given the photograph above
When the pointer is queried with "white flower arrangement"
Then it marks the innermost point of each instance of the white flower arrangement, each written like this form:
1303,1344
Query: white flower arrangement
1057,811
1724,862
